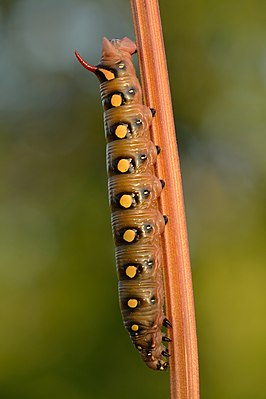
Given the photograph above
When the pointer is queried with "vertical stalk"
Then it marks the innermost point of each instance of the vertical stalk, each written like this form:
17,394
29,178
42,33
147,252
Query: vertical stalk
184,378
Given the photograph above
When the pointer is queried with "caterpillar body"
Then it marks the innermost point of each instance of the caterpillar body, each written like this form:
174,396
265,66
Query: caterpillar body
133,190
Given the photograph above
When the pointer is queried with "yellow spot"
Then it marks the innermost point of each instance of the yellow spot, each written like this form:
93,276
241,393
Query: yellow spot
131,271
129,235
134,327
123,165
121,131
108,74
116,100
126,201
132,303
139,348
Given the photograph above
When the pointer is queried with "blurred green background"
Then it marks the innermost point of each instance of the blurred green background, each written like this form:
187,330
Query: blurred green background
61,334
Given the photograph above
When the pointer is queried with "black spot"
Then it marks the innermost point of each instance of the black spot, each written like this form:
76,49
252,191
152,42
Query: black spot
158,149
165,219
143,157
166,339
162,183
166,323
153,111
148,228
165,353
146,193
153,300
131,91
138,122
133,333
150,263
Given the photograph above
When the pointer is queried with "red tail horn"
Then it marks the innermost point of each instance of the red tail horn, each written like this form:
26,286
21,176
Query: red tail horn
90,68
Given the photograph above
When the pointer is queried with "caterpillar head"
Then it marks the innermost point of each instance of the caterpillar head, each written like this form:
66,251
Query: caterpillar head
116,48
115,61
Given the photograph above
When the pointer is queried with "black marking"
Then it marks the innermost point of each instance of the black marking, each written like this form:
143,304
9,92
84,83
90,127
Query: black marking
158,149
161,365
146,193
165,219
165,353
148,228
166,323
153,112
150,263
166,339
153,300
101,76
143,157
162,183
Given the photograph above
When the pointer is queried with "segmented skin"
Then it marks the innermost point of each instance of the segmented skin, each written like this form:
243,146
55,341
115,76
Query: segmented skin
134,189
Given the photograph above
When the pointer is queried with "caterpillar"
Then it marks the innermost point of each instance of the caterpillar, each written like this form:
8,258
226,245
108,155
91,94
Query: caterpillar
133,191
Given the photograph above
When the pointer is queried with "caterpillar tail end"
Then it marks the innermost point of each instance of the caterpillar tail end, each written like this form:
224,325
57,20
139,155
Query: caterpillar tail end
85,64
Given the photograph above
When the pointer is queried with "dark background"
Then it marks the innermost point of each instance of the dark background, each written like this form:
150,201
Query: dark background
61,334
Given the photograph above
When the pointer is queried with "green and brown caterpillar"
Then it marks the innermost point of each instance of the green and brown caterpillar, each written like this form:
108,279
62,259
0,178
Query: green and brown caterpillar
134,189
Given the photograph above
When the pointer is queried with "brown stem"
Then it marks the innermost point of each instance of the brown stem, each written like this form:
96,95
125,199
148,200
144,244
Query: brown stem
178,283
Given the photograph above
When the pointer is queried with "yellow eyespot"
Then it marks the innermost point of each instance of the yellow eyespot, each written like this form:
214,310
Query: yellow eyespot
134,327
116,100
126,201
131,271
132,303
108,74
123,165
121,131
129,235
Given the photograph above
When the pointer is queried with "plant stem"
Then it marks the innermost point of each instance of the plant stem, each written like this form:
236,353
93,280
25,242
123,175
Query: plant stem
184,378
